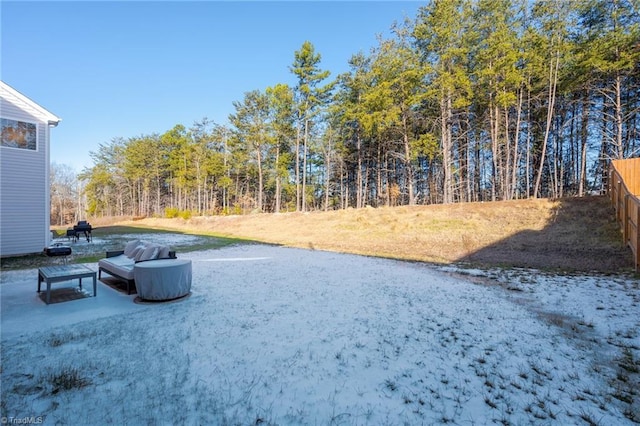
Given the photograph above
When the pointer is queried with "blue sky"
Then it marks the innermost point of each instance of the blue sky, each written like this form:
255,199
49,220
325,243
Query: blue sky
125,69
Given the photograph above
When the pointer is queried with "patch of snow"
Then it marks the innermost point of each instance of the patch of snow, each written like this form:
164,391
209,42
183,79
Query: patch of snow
291,336
98,244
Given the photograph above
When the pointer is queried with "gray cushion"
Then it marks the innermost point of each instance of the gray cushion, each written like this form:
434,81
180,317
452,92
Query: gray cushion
131,245
149,253
121,266
163,253
137,252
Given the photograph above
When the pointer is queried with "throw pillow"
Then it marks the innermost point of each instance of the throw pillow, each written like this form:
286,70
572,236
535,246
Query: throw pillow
150,253
163,253
131,245
137,252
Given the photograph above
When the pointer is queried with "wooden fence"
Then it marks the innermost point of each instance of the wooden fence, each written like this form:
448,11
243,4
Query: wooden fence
624,188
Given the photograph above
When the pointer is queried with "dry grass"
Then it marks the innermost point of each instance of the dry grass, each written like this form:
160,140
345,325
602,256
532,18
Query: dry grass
575,234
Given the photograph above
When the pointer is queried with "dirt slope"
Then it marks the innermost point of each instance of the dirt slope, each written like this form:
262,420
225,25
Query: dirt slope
573,234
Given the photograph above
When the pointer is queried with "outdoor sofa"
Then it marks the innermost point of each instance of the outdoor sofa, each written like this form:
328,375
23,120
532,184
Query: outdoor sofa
120,263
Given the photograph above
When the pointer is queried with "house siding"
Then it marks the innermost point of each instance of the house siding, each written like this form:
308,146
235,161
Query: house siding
24,182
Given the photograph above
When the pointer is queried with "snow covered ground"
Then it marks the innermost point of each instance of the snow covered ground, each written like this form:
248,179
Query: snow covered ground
274,335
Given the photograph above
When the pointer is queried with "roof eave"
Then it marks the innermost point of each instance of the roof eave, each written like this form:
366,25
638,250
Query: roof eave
49,117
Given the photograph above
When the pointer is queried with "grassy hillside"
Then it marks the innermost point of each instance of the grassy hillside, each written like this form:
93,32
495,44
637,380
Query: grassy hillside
573,234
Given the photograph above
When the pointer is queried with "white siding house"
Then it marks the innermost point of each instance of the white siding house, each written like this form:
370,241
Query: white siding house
24,174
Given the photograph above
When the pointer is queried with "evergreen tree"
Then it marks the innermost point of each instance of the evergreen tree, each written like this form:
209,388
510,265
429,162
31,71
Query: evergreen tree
439,37
311,96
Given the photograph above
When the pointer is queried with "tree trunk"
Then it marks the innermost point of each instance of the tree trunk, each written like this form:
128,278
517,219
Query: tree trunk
553,81
298,198
515,170
618,117
278,200
445,128
305,142
584,137
260,178
359,183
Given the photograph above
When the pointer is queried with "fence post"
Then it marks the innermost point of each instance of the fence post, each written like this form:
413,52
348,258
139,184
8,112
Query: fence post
637,239
617,192
621,194
625,219
619,202
612,191
613,187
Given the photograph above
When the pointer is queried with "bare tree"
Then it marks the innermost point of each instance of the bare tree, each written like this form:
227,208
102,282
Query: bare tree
65,201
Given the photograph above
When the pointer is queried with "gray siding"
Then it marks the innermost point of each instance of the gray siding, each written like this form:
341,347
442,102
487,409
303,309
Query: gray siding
24,204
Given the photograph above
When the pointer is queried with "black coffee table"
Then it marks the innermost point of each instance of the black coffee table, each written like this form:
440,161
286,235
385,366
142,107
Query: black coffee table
52,274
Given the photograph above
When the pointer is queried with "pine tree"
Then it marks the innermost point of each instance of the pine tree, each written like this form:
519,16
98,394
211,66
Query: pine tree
311,96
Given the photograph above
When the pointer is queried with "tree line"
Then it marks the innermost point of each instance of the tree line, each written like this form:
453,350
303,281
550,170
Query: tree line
469,101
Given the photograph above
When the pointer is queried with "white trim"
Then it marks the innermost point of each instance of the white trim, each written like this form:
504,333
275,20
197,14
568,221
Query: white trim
46,116
47,190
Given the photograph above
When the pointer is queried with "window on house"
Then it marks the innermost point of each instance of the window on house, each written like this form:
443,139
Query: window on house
19,134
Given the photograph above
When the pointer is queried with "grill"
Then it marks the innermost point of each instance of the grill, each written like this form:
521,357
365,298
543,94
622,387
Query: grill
83,227
58,250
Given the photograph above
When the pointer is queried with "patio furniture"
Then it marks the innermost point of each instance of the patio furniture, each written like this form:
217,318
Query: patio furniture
163,279
53,274
120,263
